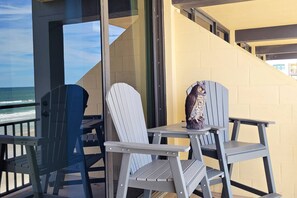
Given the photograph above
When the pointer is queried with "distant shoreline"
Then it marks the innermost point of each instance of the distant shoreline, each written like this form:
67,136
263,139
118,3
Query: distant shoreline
16,87
11,97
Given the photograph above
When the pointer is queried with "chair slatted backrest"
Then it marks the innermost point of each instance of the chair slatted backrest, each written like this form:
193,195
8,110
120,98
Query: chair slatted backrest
62,113
125,107
216,111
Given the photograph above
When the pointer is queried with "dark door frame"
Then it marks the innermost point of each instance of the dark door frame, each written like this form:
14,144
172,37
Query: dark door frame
156,86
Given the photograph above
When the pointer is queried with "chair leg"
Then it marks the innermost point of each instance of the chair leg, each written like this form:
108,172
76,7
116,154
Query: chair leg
59,178
223,166
147,194
269,175
230,169
84,170
124,176
44,182
178,178
266,159
85,179
34,172
100,138
205,187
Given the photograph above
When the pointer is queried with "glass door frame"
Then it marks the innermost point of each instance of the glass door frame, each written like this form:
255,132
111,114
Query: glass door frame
48,19
105,52
155,75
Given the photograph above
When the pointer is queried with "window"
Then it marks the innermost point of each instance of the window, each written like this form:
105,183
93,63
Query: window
248,48
207,22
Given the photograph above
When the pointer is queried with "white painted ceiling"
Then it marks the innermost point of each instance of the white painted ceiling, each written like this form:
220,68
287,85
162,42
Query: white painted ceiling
254,14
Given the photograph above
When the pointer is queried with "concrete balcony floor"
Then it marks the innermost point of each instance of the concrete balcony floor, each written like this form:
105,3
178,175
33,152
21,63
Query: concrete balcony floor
76,191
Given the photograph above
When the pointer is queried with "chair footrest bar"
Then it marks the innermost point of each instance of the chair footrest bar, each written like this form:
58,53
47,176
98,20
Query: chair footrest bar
248,188
75,182
198,193
213,173
102,168
272,195
92,169
214,176
215,181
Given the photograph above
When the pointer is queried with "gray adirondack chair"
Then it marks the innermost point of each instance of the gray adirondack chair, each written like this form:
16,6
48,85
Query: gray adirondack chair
139,169
218,145
62,114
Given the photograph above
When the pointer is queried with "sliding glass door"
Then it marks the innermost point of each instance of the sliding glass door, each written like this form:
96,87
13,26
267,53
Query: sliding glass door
95,43
128,62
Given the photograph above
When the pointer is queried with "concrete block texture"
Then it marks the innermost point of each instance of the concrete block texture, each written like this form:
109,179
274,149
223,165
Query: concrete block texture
256,90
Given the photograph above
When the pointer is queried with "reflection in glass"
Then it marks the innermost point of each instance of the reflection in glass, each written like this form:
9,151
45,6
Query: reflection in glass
17,79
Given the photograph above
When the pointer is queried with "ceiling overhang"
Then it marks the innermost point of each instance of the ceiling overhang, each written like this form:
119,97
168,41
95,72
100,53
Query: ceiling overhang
276,49
281,56
272,52
266,33
268,25
184,4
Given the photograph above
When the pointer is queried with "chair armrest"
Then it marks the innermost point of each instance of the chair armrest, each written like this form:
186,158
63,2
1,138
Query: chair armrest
21,140
215,129
250,121
90,117
153,149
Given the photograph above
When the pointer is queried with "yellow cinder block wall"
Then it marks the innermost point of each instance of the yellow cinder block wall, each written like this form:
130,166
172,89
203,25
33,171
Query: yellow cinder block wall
256,90
127,64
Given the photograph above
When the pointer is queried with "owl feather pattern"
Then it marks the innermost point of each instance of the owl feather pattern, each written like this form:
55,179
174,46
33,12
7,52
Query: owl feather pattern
195,103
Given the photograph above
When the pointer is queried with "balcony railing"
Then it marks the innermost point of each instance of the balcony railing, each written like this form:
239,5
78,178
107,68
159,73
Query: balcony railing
12,182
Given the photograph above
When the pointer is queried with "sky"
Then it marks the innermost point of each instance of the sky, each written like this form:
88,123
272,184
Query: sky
284,63
81,45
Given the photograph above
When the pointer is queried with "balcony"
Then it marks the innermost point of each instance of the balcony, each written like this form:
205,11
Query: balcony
197,41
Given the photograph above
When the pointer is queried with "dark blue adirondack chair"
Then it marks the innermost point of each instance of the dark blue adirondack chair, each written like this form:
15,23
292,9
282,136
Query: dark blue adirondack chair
60,143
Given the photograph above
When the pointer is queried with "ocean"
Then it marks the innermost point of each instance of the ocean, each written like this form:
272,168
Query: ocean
16,95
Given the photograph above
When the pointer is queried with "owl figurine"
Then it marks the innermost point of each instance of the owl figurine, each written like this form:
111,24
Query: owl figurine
195,103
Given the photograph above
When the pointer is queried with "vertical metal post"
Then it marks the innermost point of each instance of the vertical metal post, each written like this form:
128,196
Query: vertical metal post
159,65
3,150
214,28
106,85
193,14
